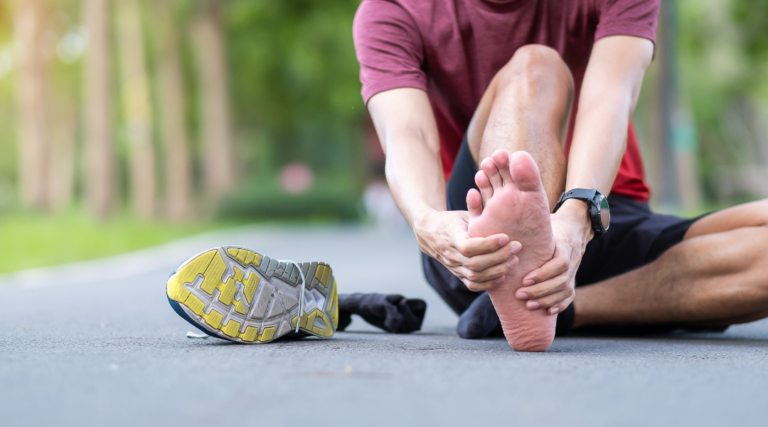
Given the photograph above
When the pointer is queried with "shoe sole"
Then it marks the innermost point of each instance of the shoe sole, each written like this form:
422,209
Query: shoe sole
239,295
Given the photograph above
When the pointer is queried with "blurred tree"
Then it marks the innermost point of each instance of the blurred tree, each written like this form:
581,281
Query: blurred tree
177,162
61,168
70,40
214,120
100,174
752,19
33,96
297,94
136,108
724,64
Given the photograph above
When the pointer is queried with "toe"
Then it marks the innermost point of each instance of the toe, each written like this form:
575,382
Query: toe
501,158
489,167
524,171
481,179
474,204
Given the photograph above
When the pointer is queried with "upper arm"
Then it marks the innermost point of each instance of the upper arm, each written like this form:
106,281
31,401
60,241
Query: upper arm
404,114
389,48
617,64
624,45
637,18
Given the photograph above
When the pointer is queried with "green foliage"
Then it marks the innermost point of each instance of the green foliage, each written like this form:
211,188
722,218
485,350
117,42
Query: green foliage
723,75
6,23
752,19
295,82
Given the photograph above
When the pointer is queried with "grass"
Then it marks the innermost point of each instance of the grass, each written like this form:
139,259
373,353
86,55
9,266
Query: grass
32,240
36,240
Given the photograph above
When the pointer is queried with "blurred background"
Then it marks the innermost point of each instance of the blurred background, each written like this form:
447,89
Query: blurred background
129,123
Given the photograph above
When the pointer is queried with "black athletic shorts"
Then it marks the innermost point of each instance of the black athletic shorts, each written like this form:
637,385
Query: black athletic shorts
636,237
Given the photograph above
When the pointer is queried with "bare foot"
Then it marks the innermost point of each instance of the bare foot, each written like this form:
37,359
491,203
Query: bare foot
515,204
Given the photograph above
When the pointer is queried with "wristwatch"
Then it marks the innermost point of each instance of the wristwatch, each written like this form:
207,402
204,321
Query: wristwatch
599,211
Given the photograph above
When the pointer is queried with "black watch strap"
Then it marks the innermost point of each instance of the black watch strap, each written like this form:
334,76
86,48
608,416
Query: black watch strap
594,199
576,193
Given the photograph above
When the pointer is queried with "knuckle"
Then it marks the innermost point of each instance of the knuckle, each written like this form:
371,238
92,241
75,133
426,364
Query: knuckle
462,248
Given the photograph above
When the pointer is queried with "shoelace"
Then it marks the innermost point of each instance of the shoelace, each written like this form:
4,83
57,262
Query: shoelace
193,335
301,291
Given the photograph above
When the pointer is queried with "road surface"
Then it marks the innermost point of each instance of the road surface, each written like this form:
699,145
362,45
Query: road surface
96,344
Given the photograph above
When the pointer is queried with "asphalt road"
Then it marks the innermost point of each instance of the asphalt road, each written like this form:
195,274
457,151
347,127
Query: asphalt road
96,344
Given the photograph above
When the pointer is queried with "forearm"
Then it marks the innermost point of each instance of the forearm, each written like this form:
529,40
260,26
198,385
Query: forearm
599,141
608,97
408,134
415,176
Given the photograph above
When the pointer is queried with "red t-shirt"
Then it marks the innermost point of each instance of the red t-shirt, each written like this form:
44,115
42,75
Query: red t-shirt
452,49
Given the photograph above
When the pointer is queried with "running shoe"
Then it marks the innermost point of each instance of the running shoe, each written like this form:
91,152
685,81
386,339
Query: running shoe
239,295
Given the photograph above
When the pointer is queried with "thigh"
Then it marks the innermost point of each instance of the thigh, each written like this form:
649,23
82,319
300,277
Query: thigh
752,214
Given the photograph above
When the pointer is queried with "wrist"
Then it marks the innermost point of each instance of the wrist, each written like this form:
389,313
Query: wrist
423,222
576,212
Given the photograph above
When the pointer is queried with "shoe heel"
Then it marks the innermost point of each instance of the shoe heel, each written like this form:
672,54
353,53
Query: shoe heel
321,301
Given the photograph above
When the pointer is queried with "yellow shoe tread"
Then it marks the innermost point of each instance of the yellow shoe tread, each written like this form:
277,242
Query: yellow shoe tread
239,293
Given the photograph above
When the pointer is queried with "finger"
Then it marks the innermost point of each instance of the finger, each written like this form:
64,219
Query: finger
543,289
491,273
481,245
474,204
501,158
561,306
483,286
490,169
481,179
502,256
553,268
557,301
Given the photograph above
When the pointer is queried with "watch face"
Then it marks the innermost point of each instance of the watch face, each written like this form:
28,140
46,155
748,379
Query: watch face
605,212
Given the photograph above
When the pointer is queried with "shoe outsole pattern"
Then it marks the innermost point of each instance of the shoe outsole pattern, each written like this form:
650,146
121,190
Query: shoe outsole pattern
239,295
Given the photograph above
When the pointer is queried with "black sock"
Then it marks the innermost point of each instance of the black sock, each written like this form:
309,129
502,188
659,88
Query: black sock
392,313
565,320
480,320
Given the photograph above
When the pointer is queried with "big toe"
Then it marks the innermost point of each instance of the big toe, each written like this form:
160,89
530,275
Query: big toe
525,172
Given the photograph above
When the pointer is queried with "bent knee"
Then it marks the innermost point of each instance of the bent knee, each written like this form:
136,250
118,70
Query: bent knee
533,67
533,55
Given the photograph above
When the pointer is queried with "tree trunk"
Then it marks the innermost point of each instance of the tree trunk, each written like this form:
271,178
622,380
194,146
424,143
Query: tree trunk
62,159
100,177
178,173
32,97
214,101
136,108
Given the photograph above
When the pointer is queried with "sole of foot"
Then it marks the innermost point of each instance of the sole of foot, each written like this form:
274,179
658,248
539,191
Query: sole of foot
515,204
239,295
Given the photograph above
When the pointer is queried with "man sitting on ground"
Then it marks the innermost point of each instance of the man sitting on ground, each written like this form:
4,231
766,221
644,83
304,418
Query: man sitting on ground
540,93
